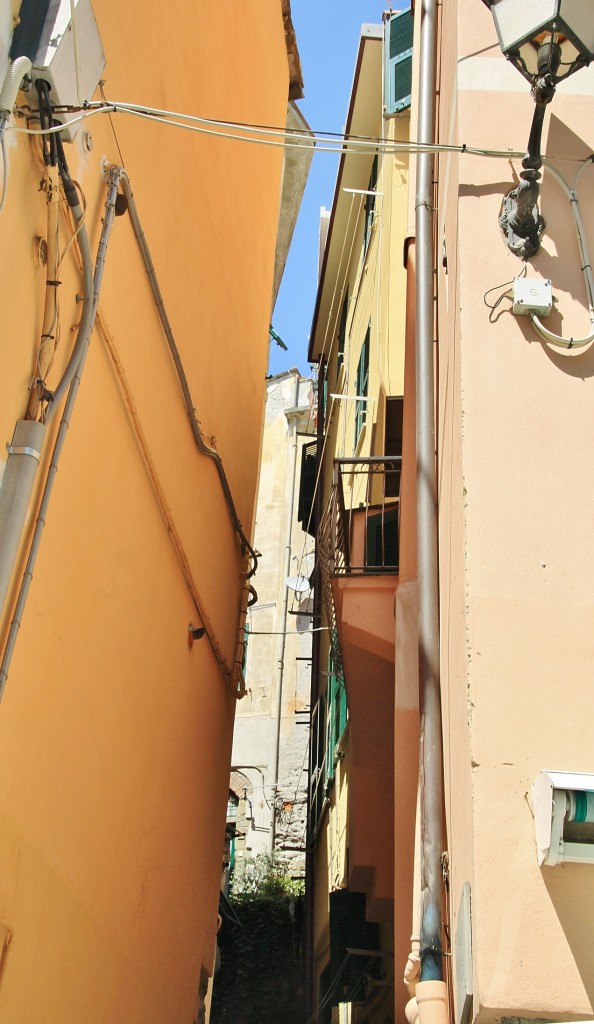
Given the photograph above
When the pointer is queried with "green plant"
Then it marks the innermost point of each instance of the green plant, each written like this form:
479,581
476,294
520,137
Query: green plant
263,877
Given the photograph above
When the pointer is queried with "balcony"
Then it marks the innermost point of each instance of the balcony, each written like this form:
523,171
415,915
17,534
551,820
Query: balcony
359,529
358,550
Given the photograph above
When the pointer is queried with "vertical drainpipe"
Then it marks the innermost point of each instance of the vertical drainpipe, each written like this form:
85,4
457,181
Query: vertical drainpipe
283,639
314,694
431,736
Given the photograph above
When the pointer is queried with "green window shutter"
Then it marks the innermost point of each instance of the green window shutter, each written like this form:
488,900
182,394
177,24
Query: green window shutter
307,487
370,204
330,731
342,333
398,42
362,385
336,704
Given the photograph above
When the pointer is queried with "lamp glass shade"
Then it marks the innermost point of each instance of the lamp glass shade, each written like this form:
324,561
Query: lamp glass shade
523,26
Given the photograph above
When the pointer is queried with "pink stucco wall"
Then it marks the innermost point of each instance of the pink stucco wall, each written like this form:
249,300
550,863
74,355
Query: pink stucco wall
516,485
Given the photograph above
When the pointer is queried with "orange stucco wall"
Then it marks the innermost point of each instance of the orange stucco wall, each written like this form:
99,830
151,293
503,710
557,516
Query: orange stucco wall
115,737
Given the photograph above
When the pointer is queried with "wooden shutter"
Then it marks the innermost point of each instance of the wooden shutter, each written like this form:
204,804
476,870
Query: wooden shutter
398,42
382,541
307,487
370,204
362,385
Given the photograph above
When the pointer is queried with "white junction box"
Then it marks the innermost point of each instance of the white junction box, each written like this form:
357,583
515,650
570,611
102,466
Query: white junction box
532,295
71,81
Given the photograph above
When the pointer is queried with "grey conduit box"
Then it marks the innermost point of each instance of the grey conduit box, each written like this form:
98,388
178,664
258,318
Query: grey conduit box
69,57
563,805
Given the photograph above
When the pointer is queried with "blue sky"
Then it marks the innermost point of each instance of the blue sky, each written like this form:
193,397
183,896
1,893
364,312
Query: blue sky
328,37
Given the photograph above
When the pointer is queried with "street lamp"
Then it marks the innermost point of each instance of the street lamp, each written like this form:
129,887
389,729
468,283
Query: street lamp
546,40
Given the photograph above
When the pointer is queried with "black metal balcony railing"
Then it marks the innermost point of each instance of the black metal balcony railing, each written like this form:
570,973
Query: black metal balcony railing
358,532
359,529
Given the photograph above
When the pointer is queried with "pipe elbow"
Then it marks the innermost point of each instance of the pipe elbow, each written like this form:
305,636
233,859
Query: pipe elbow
411,1011
14,76
412,972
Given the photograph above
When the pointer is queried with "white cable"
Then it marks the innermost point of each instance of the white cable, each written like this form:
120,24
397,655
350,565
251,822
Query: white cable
12,81
571,193
338,145
4,172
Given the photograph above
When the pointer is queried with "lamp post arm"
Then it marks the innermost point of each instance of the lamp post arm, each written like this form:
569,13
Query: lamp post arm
519,218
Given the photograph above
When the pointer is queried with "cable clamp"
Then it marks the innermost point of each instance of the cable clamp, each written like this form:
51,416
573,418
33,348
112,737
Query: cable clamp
436,950
54,284
463,150
23,450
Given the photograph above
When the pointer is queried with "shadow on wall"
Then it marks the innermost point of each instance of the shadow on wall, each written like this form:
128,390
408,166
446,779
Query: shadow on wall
572,894
558,258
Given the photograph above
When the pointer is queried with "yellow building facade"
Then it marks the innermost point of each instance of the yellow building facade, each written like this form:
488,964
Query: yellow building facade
116,719
481,702
358,340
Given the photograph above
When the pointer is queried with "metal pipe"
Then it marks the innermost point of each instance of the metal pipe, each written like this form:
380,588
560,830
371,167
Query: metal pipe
19,478
427,563
62,431
310,878
283,639
24,453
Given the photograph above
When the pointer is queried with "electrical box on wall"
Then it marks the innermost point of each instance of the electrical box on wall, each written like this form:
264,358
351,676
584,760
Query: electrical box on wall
532,295
564,817
68,56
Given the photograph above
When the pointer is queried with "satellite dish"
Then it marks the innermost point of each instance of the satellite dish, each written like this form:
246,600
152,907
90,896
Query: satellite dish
300,584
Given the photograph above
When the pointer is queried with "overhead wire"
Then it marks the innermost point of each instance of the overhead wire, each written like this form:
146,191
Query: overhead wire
277,137
571,192
72,387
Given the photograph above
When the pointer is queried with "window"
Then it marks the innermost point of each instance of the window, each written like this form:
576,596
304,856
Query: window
362,385
317,763
381,540
370,205
398,44
232,805
336,704
393,443
342,334
307,487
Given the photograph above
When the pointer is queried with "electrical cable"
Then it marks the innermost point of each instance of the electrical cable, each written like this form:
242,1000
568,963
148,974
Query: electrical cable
183,380
48,141
549,336
338,144
506,294
76,205
96,281
4,171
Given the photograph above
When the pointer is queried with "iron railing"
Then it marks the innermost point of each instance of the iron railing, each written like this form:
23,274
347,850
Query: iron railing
359,529
358,532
